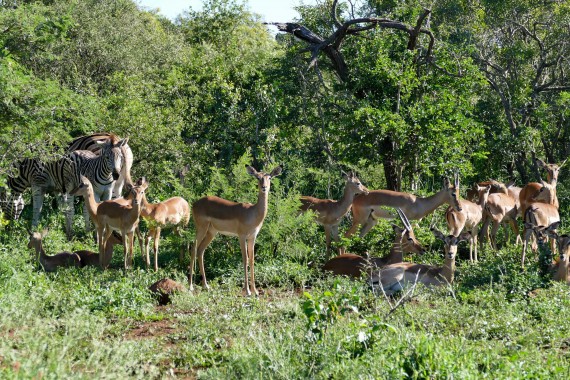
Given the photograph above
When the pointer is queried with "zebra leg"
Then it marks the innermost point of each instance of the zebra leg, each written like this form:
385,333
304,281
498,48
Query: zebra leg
37,203
86,218
68,211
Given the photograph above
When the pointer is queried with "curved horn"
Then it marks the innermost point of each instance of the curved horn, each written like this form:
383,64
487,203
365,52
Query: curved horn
404,219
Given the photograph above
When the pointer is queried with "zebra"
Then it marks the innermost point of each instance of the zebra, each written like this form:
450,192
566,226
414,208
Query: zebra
93,143
58,176
63,175
101,169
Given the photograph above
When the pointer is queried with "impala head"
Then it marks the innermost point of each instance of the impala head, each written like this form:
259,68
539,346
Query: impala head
84,189
137,192
483,192
406,236
354,183
541,232
36,238
112,154
547,193
552,170
452,192
451,241
564,246
264,179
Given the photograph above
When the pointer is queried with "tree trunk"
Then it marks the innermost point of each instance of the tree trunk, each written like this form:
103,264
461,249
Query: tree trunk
390,167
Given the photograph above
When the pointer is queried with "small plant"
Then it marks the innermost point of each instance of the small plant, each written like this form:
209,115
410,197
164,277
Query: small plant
322,311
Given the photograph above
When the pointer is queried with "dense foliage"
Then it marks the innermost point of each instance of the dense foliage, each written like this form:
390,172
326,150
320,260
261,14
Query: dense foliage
200,97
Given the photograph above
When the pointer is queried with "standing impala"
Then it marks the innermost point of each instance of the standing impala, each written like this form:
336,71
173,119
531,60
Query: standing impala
330,212
244,220
395,277
353,265
173,212
367,209
531,190
540,212
469,217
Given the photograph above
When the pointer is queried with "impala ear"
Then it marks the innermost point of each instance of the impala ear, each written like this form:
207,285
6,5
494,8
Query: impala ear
251,171
44,232
438,234
540,163
445,182
562,164
275,172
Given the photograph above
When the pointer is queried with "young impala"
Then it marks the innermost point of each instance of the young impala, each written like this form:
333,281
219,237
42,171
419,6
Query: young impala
329,213
395,277
51,263
244,220
353,265
367,209
468,218
173,212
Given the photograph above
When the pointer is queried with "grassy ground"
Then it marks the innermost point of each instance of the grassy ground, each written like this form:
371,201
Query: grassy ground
495,322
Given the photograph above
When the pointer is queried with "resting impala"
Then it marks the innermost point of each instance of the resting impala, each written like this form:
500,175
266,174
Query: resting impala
540,212
367,209
395,277
113,215
90,258
561,267
173,212
244,220
51,263
329,212
353,265
468,218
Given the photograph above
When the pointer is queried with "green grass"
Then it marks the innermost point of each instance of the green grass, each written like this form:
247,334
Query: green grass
496,322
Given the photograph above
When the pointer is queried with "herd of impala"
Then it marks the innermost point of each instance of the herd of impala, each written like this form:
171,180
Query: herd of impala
488,203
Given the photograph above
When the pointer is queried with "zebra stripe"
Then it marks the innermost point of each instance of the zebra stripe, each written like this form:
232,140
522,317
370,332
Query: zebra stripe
94,143
59,176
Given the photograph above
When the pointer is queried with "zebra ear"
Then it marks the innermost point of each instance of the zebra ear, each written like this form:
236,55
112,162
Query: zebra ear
121,143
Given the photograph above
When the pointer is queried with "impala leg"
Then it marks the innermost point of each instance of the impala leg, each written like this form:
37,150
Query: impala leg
474,241
147,239
205,242
366,227
106,234
101,244
334,234
131,240
200,236
245,258
494,234
144,253
156,243
328,237
251,254
526,238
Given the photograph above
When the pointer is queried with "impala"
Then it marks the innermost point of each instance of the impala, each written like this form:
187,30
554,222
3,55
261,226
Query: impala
244,220
367,209
173,212
540,212
353,265
468,218
329,213
113,215
561,267
51,263
395,277
531,190
90,258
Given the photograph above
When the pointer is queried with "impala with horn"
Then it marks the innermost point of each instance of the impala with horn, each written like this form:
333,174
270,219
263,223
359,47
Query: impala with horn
353,265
